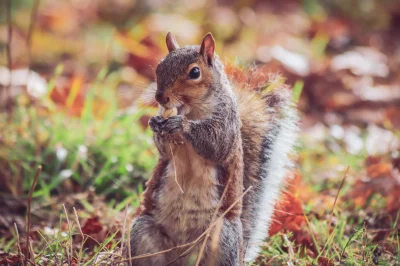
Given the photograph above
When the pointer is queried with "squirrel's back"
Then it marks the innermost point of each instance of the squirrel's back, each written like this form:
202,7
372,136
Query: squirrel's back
269,129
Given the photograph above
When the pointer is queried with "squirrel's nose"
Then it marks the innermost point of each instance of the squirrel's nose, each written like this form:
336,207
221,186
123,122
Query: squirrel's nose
160,98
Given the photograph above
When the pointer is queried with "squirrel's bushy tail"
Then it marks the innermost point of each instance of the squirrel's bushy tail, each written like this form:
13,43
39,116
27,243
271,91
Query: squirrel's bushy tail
269,129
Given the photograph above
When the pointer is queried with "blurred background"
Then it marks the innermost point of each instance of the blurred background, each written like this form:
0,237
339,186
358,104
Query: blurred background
72,73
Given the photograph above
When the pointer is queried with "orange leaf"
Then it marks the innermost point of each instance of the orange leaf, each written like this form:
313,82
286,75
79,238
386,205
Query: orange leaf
289,215
75,88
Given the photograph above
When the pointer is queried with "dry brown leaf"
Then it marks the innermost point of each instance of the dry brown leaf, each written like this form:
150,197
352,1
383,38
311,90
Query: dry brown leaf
289,215
380,178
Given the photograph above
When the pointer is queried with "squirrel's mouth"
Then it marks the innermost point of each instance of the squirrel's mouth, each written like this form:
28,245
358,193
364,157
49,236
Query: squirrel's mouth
181,109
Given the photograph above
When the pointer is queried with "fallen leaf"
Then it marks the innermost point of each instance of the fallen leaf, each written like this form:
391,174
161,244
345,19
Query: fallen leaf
69,95
289,215
322,261
92,226
95,230
10,259
380,179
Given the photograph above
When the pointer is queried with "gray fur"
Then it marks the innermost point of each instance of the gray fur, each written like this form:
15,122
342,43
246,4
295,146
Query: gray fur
169,69
148,237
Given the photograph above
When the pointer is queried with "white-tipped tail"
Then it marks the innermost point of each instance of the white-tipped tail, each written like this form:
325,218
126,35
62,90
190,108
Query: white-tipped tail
276,168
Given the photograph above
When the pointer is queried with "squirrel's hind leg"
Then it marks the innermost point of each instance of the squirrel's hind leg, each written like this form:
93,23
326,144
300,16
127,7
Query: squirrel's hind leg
230,246
146,238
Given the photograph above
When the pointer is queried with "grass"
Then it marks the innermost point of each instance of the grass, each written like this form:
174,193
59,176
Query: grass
349,241
342,246
111,153
103,158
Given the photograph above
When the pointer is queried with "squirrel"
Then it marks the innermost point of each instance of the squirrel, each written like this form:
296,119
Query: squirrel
219,141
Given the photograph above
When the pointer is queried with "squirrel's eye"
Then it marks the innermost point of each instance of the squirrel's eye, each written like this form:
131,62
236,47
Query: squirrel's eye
194,73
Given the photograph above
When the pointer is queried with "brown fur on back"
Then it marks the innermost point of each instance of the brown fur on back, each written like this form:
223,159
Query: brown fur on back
258,112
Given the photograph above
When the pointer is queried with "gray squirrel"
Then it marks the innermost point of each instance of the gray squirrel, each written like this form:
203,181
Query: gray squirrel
219,139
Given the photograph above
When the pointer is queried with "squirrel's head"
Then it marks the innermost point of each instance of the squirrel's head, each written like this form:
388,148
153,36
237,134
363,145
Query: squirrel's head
186,76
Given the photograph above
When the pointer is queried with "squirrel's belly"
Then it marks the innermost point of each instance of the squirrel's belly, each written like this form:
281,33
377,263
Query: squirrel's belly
186,215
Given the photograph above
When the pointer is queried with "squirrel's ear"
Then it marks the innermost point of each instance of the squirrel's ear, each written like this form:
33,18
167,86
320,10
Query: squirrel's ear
172,44
207,48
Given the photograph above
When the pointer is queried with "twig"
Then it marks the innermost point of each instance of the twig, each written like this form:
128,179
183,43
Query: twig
82,235
32,253
31,262
312,235
215,241
212,220
107,258
176,176
28,218
330,234
364,244
94,259
32,23
148,255
70,235
290,249
269,262
77,221
8,48
123,230
335,249
18,240
129,249
337,195
112,254
211,226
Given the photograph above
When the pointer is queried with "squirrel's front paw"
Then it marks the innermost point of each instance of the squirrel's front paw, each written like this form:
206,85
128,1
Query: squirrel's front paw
168,128
156,123
173,125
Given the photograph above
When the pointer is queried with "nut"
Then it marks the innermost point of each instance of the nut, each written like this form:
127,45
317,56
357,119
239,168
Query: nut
169,112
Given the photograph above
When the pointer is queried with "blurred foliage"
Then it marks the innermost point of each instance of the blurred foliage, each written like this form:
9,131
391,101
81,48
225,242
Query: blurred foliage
103,148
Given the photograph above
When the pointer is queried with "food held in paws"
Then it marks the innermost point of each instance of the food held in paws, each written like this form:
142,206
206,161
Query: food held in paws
169,112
